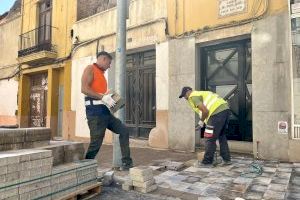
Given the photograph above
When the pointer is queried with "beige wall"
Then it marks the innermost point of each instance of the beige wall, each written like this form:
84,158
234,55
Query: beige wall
185,16
146,27
9,32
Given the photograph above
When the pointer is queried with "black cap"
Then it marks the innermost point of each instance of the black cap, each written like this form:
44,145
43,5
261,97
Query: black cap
184,91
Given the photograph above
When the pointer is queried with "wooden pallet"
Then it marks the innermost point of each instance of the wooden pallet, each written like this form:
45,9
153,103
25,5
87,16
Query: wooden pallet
84,193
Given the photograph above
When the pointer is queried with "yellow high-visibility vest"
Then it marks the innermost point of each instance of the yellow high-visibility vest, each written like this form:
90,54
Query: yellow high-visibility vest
211,100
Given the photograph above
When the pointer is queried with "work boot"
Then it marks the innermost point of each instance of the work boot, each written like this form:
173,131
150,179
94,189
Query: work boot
126,167
205,165
225,163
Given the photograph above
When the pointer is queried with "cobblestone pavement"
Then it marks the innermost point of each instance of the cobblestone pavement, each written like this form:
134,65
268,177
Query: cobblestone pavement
278,181
116,193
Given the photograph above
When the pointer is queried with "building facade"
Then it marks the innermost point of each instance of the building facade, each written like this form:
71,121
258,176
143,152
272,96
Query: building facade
147,26
10,24
44,58
240,49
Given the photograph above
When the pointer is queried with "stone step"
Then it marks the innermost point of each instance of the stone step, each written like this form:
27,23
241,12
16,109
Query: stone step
65,151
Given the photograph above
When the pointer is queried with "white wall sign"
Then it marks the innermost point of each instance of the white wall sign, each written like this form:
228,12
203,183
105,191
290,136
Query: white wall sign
282,127
231,7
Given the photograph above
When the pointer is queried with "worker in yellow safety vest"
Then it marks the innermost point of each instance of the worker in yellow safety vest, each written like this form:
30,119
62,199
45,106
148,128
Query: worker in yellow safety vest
214,115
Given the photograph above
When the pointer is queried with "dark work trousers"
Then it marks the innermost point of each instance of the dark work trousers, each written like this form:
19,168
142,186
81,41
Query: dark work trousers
98,122
220,123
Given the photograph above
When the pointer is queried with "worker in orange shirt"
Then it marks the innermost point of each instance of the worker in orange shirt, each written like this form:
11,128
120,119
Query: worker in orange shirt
97,104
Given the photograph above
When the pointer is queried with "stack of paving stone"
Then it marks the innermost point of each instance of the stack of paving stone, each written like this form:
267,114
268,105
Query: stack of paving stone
73,176
142,179
49,170
63,180
24,174
23,138
65,151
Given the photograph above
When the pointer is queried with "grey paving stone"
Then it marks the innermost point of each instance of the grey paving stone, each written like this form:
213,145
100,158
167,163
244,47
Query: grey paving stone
179,186
242,180
231,195
241,188
285,175
297,170
277,187
209,179
178,178
277,180
269,194
295,181
293,195
164,185
208,198
191,179
293,188
254,195
211,192
296,165
262,181
200,174
269,169
198,186
258,188
169,173
284,169
225,180
267,174
286,165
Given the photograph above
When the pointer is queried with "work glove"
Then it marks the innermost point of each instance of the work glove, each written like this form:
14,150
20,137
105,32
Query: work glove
201,124
108,100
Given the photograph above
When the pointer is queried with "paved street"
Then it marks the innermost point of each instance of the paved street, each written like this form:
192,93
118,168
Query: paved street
277,181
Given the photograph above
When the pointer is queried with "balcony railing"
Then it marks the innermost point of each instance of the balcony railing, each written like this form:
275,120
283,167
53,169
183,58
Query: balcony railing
36,40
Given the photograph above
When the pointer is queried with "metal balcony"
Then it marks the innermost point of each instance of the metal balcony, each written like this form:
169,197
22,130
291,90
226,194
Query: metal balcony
36,40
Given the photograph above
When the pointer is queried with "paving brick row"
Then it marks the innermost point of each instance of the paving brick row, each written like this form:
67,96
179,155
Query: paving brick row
277,181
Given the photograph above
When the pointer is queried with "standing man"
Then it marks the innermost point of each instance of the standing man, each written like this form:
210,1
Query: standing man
97,104
214,112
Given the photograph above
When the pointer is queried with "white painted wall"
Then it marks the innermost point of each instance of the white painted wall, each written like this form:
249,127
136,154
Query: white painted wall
8,97
162,76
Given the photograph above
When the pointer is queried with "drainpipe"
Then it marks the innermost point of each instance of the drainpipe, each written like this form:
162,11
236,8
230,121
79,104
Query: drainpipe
291,70
120,72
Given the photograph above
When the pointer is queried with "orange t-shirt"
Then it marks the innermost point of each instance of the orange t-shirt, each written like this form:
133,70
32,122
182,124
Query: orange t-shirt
99,83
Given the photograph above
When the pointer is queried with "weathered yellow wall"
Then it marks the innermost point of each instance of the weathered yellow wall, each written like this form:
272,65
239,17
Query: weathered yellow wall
63,18
185,16
23,101
9,31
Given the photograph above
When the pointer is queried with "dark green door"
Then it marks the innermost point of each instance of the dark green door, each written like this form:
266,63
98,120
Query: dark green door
140,93
226,70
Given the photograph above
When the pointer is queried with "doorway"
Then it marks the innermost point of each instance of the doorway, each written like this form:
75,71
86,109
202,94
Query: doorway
226,70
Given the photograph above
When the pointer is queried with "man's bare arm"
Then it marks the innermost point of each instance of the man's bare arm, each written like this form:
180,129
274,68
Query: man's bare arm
204,111
86,81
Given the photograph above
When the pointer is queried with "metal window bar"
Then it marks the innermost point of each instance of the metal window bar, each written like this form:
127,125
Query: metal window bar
296,38
36,40
296,134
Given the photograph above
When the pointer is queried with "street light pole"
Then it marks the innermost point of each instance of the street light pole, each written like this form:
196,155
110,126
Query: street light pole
120,72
